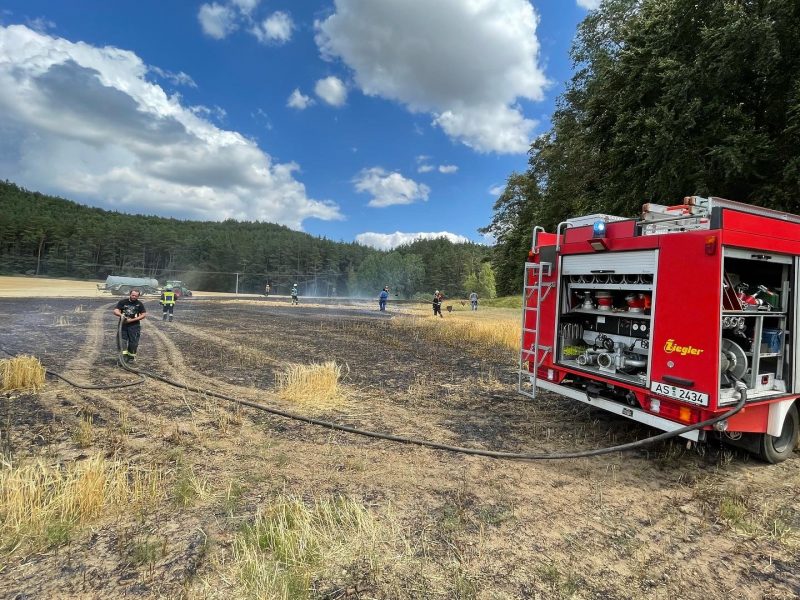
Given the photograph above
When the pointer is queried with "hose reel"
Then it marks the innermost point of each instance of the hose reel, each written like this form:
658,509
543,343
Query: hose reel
733,360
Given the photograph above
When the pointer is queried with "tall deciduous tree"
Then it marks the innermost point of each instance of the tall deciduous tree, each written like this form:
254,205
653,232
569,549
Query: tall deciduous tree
669,98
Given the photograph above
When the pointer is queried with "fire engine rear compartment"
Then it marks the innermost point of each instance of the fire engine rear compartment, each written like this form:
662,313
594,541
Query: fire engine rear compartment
604,318
660,320
607,304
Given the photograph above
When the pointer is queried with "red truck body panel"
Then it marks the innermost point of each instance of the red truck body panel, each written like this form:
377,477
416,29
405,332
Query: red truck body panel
687,351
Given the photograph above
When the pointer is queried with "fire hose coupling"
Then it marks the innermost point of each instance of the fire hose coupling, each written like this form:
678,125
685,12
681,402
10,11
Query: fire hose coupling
741,389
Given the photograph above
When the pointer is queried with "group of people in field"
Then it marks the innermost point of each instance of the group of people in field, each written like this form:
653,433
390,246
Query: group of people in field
438,299
132,312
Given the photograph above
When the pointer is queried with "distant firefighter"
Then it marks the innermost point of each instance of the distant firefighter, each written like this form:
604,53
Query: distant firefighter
167,301
438,298
473,300
384,296
294,295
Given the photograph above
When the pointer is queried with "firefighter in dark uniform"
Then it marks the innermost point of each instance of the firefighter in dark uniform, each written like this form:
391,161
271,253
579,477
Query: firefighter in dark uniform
131,311
168,302
438,298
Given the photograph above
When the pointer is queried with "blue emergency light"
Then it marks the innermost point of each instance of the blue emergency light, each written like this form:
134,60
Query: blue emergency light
599,229
598,242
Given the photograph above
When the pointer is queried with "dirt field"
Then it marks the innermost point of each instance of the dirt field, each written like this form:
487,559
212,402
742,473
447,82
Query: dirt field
669,522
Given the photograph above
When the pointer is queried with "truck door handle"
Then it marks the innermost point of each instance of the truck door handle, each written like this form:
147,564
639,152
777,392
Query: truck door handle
601,271
761,256
678,380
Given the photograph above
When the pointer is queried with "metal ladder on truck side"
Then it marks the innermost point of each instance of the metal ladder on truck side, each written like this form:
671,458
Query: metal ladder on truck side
534,291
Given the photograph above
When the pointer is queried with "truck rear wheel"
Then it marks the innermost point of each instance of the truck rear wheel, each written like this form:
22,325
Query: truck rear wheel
124,290
777,449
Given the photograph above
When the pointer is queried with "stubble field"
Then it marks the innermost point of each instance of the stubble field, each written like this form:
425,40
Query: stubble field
198,498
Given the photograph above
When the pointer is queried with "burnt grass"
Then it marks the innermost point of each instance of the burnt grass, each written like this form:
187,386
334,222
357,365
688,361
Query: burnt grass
654,523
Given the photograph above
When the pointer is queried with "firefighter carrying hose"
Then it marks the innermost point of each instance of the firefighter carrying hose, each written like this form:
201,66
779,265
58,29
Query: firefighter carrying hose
167,301
131,311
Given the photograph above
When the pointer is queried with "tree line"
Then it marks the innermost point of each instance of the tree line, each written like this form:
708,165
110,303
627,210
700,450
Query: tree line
669,98
49,236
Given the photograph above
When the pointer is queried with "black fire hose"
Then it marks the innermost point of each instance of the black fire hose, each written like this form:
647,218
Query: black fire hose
435,445
416,441
82,386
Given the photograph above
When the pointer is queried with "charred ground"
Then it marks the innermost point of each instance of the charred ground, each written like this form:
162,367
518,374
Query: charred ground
662,523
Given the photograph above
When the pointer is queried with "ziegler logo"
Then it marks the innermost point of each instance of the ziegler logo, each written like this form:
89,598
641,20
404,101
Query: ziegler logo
671,347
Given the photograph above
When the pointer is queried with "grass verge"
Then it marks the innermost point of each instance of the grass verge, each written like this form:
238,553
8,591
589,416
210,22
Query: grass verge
502,302
484,330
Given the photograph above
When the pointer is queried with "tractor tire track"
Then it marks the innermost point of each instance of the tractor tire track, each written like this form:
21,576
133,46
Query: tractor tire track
169,352
184,374
89,351
228,343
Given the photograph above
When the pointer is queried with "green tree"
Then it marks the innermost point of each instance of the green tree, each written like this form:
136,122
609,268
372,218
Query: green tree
486,282
669,98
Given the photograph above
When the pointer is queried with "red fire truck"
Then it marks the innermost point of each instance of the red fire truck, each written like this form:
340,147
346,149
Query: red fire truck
663,319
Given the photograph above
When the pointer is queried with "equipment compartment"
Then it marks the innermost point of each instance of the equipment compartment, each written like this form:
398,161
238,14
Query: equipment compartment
755,302
605,315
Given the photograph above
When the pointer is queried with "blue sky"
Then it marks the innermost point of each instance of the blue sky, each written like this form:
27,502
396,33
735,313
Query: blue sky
367,120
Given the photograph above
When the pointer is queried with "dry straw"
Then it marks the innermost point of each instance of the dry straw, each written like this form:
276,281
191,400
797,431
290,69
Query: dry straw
482,331
41,504
315,385
290,544
23,373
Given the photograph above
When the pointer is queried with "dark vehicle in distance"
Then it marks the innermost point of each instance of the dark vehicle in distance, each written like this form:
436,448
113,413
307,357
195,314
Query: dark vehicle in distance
179,288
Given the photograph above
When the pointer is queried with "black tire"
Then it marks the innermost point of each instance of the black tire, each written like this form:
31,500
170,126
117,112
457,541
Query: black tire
777,449
124,290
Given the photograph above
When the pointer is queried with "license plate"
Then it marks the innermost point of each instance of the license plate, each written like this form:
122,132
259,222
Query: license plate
673,391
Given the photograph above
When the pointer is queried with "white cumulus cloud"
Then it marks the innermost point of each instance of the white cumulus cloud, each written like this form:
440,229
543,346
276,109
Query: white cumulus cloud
275,29
246,6
496,190
299,100
217,20
332,90
448,169
425,168
41,24
388,189
388,241
589,4
466,63
84,122
179,78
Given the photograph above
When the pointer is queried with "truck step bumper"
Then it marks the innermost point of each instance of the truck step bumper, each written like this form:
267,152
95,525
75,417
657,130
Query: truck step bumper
635,414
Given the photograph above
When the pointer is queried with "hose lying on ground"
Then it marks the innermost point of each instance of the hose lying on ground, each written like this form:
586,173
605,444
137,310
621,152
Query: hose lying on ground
82,386
416,441
435,445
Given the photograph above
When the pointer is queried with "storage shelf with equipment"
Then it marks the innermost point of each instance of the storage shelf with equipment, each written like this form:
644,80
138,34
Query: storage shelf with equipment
605,315
755,315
